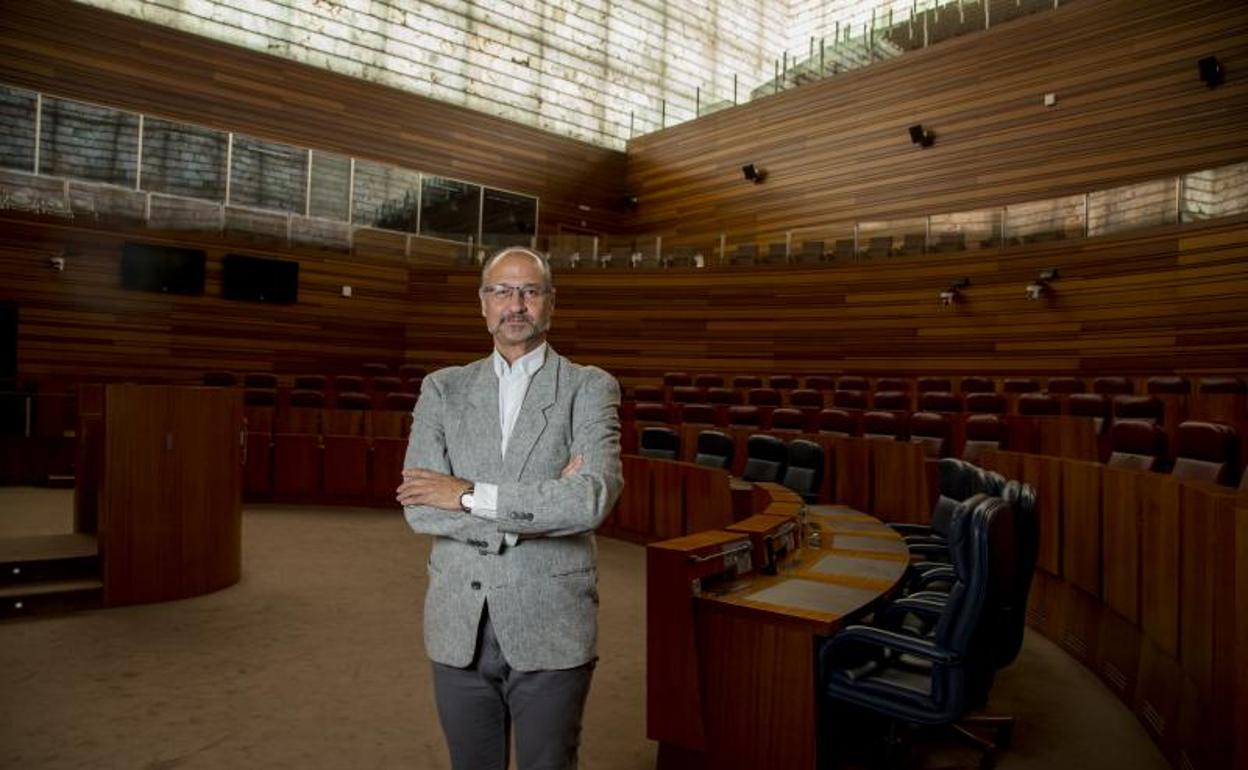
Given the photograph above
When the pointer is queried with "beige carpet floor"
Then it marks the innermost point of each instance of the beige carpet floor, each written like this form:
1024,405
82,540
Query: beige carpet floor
314,660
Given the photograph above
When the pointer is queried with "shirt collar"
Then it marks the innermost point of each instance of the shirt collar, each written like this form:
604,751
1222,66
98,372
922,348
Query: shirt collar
527,364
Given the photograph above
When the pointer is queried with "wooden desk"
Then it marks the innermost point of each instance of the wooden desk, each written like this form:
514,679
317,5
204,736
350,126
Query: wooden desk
753,702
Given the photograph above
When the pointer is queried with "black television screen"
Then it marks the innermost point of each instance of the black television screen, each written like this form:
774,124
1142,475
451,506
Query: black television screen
256,279
169,269
8,341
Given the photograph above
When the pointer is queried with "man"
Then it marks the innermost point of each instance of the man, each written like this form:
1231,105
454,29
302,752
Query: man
512,463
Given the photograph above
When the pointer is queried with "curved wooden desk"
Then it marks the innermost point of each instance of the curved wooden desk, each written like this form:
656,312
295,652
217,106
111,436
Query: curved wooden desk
731,680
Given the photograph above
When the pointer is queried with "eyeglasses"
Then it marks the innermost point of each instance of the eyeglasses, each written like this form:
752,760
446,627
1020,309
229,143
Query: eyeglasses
502,292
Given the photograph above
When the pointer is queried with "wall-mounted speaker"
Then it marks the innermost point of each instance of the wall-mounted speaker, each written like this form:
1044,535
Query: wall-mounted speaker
1211,71
629,202
922,136
753,173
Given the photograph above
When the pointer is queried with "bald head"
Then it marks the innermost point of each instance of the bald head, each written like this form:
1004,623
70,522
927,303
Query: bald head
518,252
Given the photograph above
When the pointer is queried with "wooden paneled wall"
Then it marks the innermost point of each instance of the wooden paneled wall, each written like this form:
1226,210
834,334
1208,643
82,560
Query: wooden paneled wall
1130,108
72,50
1173,299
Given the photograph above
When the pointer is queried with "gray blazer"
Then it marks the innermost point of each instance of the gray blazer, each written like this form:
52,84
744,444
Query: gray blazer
542,592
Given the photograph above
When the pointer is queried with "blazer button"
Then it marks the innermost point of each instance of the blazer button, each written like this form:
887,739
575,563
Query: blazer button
476,585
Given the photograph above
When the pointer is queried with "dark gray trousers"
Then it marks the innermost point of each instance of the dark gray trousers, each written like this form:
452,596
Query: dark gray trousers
478,705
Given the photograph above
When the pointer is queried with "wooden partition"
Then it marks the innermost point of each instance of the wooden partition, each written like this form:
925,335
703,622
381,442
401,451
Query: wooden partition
663,499
168,491
1142,580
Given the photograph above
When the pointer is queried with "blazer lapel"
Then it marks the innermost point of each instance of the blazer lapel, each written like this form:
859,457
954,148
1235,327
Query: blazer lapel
481,421
532,418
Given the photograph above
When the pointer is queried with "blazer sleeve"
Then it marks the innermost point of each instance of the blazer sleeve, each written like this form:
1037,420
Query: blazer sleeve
426,449
576,504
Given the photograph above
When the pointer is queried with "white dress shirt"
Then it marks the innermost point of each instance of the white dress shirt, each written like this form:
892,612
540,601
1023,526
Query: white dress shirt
513,383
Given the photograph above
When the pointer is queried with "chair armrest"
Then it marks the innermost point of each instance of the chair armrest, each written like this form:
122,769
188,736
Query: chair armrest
911,529
926,605
930,577
885,639
928,549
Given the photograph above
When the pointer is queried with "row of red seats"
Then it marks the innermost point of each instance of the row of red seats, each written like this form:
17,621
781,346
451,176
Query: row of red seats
1110,386
368,373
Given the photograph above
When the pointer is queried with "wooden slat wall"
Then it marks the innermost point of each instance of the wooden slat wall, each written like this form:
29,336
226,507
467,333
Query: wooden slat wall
1168,300
1130,108
80,52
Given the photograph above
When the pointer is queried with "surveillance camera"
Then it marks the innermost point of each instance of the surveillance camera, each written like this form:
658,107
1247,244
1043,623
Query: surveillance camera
1035,290
57,264
948,297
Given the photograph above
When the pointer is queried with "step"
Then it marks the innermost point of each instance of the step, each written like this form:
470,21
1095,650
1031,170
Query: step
60,481
54,596
46,558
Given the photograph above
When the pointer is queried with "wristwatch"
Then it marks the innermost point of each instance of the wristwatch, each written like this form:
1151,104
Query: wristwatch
465,498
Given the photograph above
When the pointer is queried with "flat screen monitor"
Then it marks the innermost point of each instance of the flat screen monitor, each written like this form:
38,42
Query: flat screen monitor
166,269
8,341
256,279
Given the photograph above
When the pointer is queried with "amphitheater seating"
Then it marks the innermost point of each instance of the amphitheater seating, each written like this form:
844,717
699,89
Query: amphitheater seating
1138,408
970,385
1020,385
837,422
940,401
764,458
659,442
259,380
747,381
985,402
806,398
702,414
849,399
220,379
375,369
885,425
983,431
723,396
1206,452
744,416
782,382
708,381
934,384
714,449
676,379
853,383
891,400
788,419
932,431
1038,405
1137,444
893,383
1112,386
311,382
1066,385
820,382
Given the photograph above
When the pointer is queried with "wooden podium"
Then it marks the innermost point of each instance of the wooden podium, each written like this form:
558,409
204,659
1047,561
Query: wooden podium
163,489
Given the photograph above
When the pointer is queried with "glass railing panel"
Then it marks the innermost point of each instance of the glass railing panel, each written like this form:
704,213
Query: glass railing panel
965,230
1216,192
892,238
385,197
1001,11
905,34
319,233
107,203
616,251
17,128
449,208
507,219
739,251
86,142
184,160
1132,206
690,254
954,20
435,251
1048,220
167,212
268,175
827,243
329,194
572,251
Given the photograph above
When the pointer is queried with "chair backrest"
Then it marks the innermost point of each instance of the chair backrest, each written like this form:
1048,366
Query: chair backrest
747,416
1022,498
836,421
1136,444
764,458
1171,385
1139,408
703,414
1088,405
345,383
708,381
718,395
386,384
660,443
852,382
1112,386
676,379
940,401
1222,385
762,397
1066,385
849,399
311,382
976,385
648,411
356,401
934,385
714,449
806,398
1205,451
782,382
804,468
892,400
260,397
956,481
651,393
983,431
888,425
747,381
893,383
787,419
1038,405
400,401
259,380
307,398
688,394
375,369
820,382
1020,385
932,432
985,403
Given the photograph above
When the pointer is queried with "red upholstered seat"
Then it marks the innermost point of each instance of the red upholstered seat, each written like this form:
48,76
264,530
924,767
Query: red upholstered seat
1020,385
1168,385
702,414
1222,385
836,421
311,382
708,381
1112,386
977,385
935,385
820,382
748,416
892,400
359,401
892,383
1088,405
1065,385
787,419
259,380
648,393
375,370
932,431
400,401
762,397
1139,408
386,384
849,399
1038,405
348,383
677,379
852,382
220,379
883,425
688,394
307,398
985,403
940,401
725,396
782,382
650,411
260,397
747,381
1206,451
983,431
1136,444
806,398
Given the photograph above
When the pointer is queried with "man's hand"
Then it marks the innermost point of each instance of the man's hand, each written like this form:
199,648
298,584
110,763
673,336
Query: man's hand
437,490
572,467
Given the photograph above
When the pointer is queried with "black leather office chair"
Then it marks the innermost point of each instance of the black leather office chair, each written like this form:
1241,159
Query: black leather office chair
660,443
714,449
911,680
804,470
764,458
